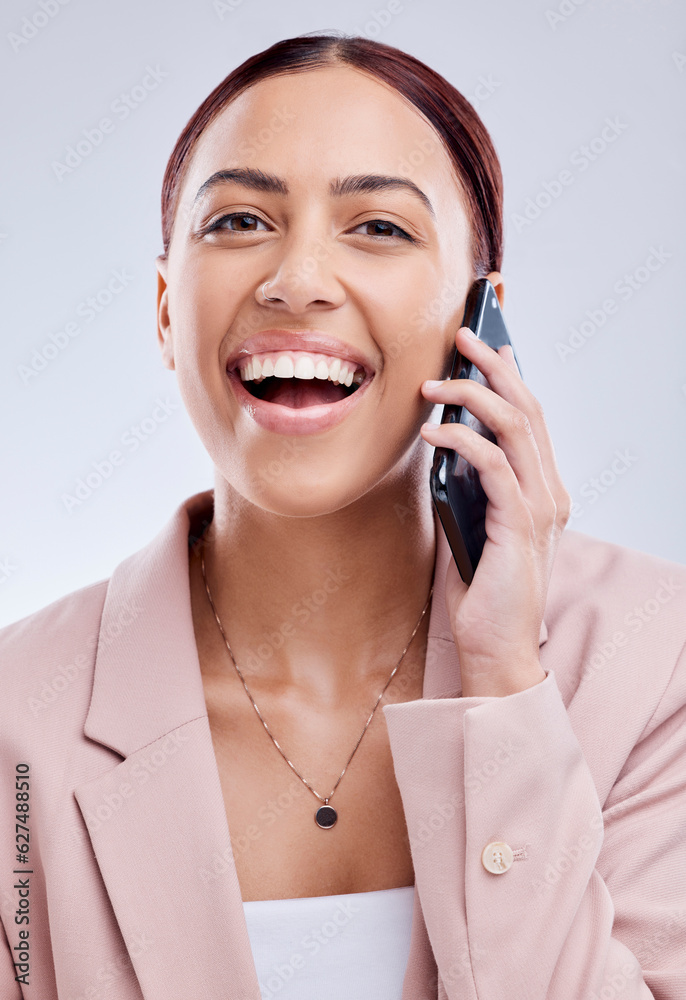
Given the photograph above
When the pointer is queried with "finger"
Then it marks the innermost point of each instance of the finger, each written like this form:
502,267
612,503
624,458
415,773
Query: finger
511,428
503,377
506,382
496,475
507,354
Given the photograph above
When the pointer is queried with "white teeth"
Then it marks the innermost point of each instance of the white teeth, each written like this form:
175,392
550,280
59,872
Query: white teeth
284,367
301,365
304,367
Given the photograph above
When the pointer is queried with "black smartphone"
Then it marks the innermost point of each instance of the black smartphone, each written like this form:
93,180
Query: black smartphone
457,492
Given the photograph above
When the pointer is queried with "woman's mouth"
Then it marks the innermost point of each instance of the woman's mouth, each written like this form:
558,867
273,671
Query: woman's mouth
299,378
297,392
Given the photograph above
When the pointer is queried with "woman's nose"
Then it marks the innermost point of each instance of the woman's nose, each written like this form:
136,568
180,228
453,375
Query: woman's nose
303,279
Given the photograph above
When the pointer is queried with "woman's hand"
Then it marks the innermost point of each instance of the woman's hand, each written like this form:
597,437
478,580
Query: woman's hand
496,620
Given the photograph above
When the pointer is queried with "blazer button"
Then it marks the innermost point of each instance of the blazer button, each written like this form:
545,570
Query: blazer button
497,857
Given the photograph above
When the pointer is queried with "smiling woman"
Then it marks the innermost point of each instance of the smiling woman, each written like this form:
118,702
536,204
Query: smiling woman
237,819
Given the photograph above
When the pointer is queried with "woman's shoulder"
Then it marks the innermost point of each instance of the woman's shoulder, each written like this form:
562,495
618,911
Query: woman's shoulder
594,556
615,580
616,620
48,658
57,622
45,653
72,622
617,644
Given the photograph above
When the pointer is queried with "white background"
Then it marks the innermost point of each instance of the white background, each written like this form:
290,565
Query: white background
554,73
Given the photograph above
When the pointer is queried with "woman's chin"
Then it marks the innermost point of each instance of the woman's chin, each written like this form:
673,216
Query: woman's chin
289,495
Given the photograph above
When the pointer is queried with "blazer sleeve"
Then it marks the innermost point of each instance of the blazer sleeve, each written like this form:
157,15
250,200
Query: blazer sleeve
593,904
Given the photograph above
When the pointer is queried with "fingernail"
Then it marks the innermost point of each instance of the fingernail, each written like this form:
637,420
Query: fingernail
430,427
431,383
470,333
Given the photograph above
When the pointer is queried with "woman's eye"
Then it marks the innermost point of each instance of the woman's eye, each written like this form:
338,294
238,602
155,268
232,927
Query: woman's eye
380,225
244,222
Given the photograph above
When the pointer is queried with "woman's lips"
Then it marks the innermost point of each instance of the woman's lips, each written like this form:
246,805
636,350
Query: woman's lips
290,420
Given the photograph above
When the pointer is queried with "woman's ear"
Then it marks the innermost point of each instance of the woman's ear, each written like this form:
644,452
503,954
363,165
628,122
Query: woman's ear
496,279
164,334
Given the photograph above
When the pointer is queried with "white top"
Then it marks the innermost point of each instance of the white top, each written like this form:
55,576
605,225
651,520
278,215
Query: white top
345,947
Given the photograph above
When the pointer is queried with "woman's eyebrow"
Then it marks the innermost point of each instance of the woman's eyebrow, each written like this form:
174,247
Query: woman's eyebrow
340,187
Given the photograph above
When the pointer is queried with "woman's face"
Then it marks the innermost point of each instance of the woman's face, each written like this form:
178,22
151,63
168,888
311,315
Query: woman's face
357,271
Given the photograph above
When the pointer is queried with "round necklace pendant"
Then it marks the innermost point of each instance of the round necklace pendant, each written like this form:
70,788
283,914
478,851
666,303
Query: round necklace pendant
325,817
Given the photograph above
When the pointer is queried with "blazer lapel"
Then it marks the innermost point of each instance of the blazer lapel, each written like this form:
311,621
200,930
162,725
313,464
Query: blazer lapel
156,819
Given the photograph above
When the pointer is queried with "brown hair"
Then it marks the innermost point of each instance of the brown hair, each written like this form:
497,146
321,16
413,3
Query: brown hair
465,137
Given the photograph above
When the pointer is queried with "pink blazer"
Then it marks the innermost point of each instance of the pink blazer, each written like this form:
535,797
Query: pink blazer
130,887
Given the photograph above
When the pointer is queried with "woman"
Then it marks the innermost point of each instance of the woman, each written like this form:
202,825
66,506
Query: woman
217,807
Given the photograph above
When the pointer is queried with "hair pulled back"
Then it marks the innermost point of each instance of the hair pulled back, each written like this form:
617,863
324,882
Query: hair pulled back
464,135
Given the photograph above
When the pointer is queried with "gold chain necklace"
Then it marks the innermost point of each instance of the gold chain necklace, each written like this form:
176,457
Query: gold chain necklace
326,815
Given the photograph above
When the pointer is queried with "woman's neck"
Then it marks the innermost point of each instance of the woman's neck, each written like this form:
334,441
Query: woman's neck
323,602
